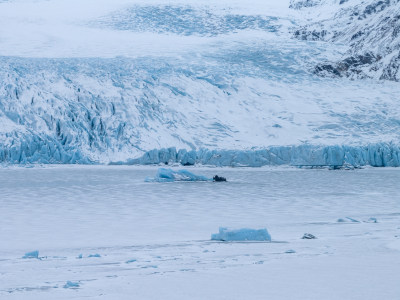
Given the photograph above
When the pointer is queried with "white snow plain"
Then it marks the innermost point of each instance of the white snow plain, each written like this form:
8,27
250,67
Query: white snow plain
152,240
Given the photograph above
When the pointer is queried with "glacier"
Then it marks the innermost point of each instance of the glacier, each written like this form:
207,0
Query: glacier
376,155
225,84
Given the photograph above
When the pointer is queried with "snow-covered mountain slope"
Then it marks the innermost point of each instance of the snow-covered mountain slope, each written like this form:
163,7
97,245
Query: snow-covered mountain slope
371,28
96,81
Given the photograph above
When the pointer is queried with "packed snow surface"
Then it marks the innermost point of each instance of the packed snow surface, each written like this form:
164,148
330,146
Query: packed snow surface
107,81
114,236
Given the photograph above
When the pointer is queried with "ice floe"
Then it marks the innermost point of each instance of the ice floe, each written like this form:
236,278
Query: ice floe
243,234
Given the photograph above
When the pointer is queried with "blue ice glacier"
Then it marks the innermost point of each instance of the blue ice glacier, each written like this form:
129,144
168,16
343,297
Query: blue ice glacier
184,20
169,175
244,234
222,100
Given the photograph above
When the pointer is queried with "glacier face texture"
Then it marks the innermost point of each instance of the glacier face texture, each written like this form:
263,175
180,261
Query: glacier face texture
376,155
225,86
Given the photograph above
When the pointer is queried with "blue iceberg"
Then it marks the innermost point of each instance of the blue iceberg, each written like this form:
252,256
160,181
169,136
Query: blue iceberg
94,255
71,284
169,175
244,234
33,254
347,219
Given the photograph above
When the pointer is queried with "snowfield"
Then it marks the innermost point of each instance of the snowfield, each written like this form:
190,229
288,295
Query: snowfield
104,233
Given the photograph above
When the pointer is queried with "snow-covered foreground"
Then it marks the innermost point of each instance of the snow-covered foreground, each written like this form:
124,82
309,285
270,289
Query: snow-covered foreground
152,240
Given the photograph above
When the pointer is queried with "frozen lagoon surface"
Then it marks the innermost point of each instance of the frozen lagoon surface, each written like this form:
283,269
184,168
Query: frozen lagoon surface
104,233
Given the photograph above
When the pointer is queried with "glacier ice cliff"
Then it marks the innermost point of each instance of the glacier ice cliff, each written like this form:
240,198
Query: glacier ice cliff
376,155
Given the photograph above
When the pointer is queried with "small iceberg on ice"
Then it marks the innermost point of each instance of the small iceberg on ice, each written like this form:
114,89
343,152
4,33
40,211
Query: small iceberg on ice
371,220
71,284
308,236
347,219
33,254
244,234
169,175
94,255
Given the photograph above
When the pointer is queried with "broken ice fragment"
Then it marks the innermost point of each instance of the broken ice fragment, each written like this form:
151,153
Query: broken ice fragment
71,284
33,254
130,261
353,220
244,234
94,255
308,236
371,220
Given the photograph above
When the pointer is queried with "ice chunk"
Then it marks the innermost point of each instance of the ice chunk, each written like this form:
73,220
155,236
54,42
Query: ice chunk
244,234
94,255
33,254
308,236
71,284
353,220
290,251
130,261
169,175
347,219
371,220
